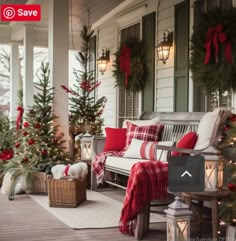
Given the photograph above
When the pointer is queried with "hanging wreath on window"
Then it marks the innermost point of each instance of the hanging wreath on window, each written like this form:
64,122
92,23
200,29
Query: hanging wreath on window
129,67
213,51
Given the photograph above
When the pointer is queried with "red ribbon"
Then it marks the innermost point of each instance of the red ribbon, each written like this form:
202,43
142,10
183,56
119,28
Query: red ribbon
19,117
66,170
216,36
125,62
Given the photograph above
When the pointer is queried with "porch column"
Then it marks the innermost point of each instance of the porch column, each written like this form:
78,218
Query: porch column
58,49
28,89
14,80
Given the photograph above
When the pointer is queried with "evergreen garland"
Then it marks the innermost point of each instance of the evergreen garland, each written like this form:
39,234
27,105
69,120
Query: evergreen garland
217,75
137,77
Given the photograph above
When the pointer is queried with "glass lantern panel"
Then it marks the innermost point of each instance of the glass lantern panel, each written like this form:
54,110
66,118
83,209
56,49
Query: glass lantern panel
86,152
213,175
182,230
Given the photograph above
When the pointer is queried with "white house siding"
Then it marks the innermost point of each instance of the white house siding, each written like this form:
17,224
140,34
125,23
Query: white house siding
107,36
164,95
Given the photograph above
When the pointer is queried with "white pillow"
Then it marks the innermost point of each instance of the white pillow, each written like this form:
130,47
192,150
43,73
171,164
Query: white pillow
141,122
207,127
145,150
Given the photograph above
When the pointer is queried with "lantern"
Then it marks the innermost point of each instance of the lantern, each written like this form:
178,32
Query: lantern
103,60
178,221
86,147
213,170
163,48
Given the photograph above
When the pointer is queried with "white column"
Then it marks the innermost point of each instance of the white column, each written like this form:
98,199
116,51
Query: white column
58,48
28,58
14,80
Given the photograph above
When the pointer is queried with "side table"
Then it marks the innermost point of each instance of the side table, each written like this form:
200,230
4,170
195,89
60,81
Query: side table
213,197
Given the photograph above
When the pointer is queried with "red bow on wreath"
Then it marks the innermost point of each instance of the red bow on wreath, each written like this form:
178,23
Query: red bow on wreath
125,62
216,36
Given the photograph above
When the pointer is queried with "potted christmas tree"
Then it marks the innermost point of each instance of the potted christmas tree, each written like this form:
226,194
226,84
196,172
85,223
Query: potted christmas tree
85,109
39,145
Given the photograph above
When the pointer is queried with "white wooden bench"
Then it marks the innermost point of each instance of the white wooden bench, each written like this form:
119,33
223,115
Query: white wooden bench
176,124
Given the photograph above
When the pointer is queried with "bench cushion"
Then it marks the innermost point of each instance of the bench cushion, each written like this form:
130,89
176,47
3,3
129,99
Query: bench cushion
122,164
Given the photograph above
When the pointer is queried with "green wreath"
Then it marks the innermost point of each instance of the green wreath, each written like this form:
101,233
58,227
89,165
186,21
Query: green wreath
132,76
217,71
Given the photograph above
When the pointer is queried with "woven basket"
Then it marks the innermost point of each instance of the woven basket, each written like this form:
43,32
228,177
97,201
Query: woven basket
66,193
39,183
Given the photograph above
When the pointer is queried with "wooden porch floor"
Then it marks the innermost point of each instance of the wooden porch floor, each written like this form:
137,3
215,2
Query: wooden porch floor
23,219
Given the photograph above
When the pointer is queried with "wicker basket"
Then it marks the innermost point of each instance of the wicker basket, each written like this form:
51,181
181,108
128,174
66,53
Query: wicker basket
39,183
1,178
66,193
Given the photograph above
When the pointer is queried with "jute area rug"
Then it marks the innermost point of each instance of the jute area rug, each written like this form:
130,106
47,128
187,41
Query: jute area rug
99,211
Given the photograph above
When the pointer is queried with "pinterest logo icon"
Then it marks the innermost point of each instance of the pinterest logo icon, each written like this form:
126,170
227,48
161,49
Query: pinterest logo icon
9,13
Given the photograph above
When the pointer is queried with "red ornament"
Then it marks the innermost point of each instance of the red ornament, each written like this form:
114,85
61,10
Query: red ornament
6,155
37,125
30,141
232,187
232,118
26,124
25,133
85,85
25,159
17,145
44,152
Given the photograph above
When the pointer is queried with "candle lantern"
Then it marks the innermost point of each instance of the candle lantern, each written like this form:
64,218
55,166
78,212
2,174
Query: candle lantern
178,221
214,168
86,147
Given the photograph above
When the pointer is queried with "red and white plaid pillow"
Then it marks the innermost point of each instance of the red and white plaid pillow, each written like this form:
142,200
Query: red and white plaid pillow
145,133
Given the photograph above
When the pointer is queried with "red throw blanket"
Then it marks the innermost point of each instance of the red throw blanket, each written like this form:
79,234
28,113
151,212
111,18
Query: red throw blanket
98,163
147,182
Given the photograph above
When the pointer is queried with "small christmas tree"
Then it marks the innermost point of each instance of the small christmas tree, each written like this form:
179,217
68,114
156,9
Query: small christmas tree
40,142
227,145
85,110
39,145
7,137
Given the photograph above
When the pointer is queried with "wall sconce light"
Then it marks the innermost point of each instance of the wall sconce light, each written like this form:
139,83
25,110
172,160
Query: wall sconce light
163,48
103,60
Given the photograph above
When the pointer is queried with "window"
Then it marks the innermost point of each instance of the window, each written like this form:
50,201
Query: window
129,102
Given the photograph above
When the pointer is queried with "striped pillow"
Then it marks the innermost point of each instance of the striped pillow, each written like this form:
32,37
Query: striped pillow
145,150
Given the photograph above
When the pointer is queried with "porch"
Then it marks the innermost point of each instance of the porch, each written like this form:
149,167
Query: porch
24,219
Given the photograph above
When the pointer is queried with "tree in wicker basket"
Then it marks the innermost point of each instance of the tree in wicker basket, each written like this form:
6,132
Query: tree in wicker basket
39,145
